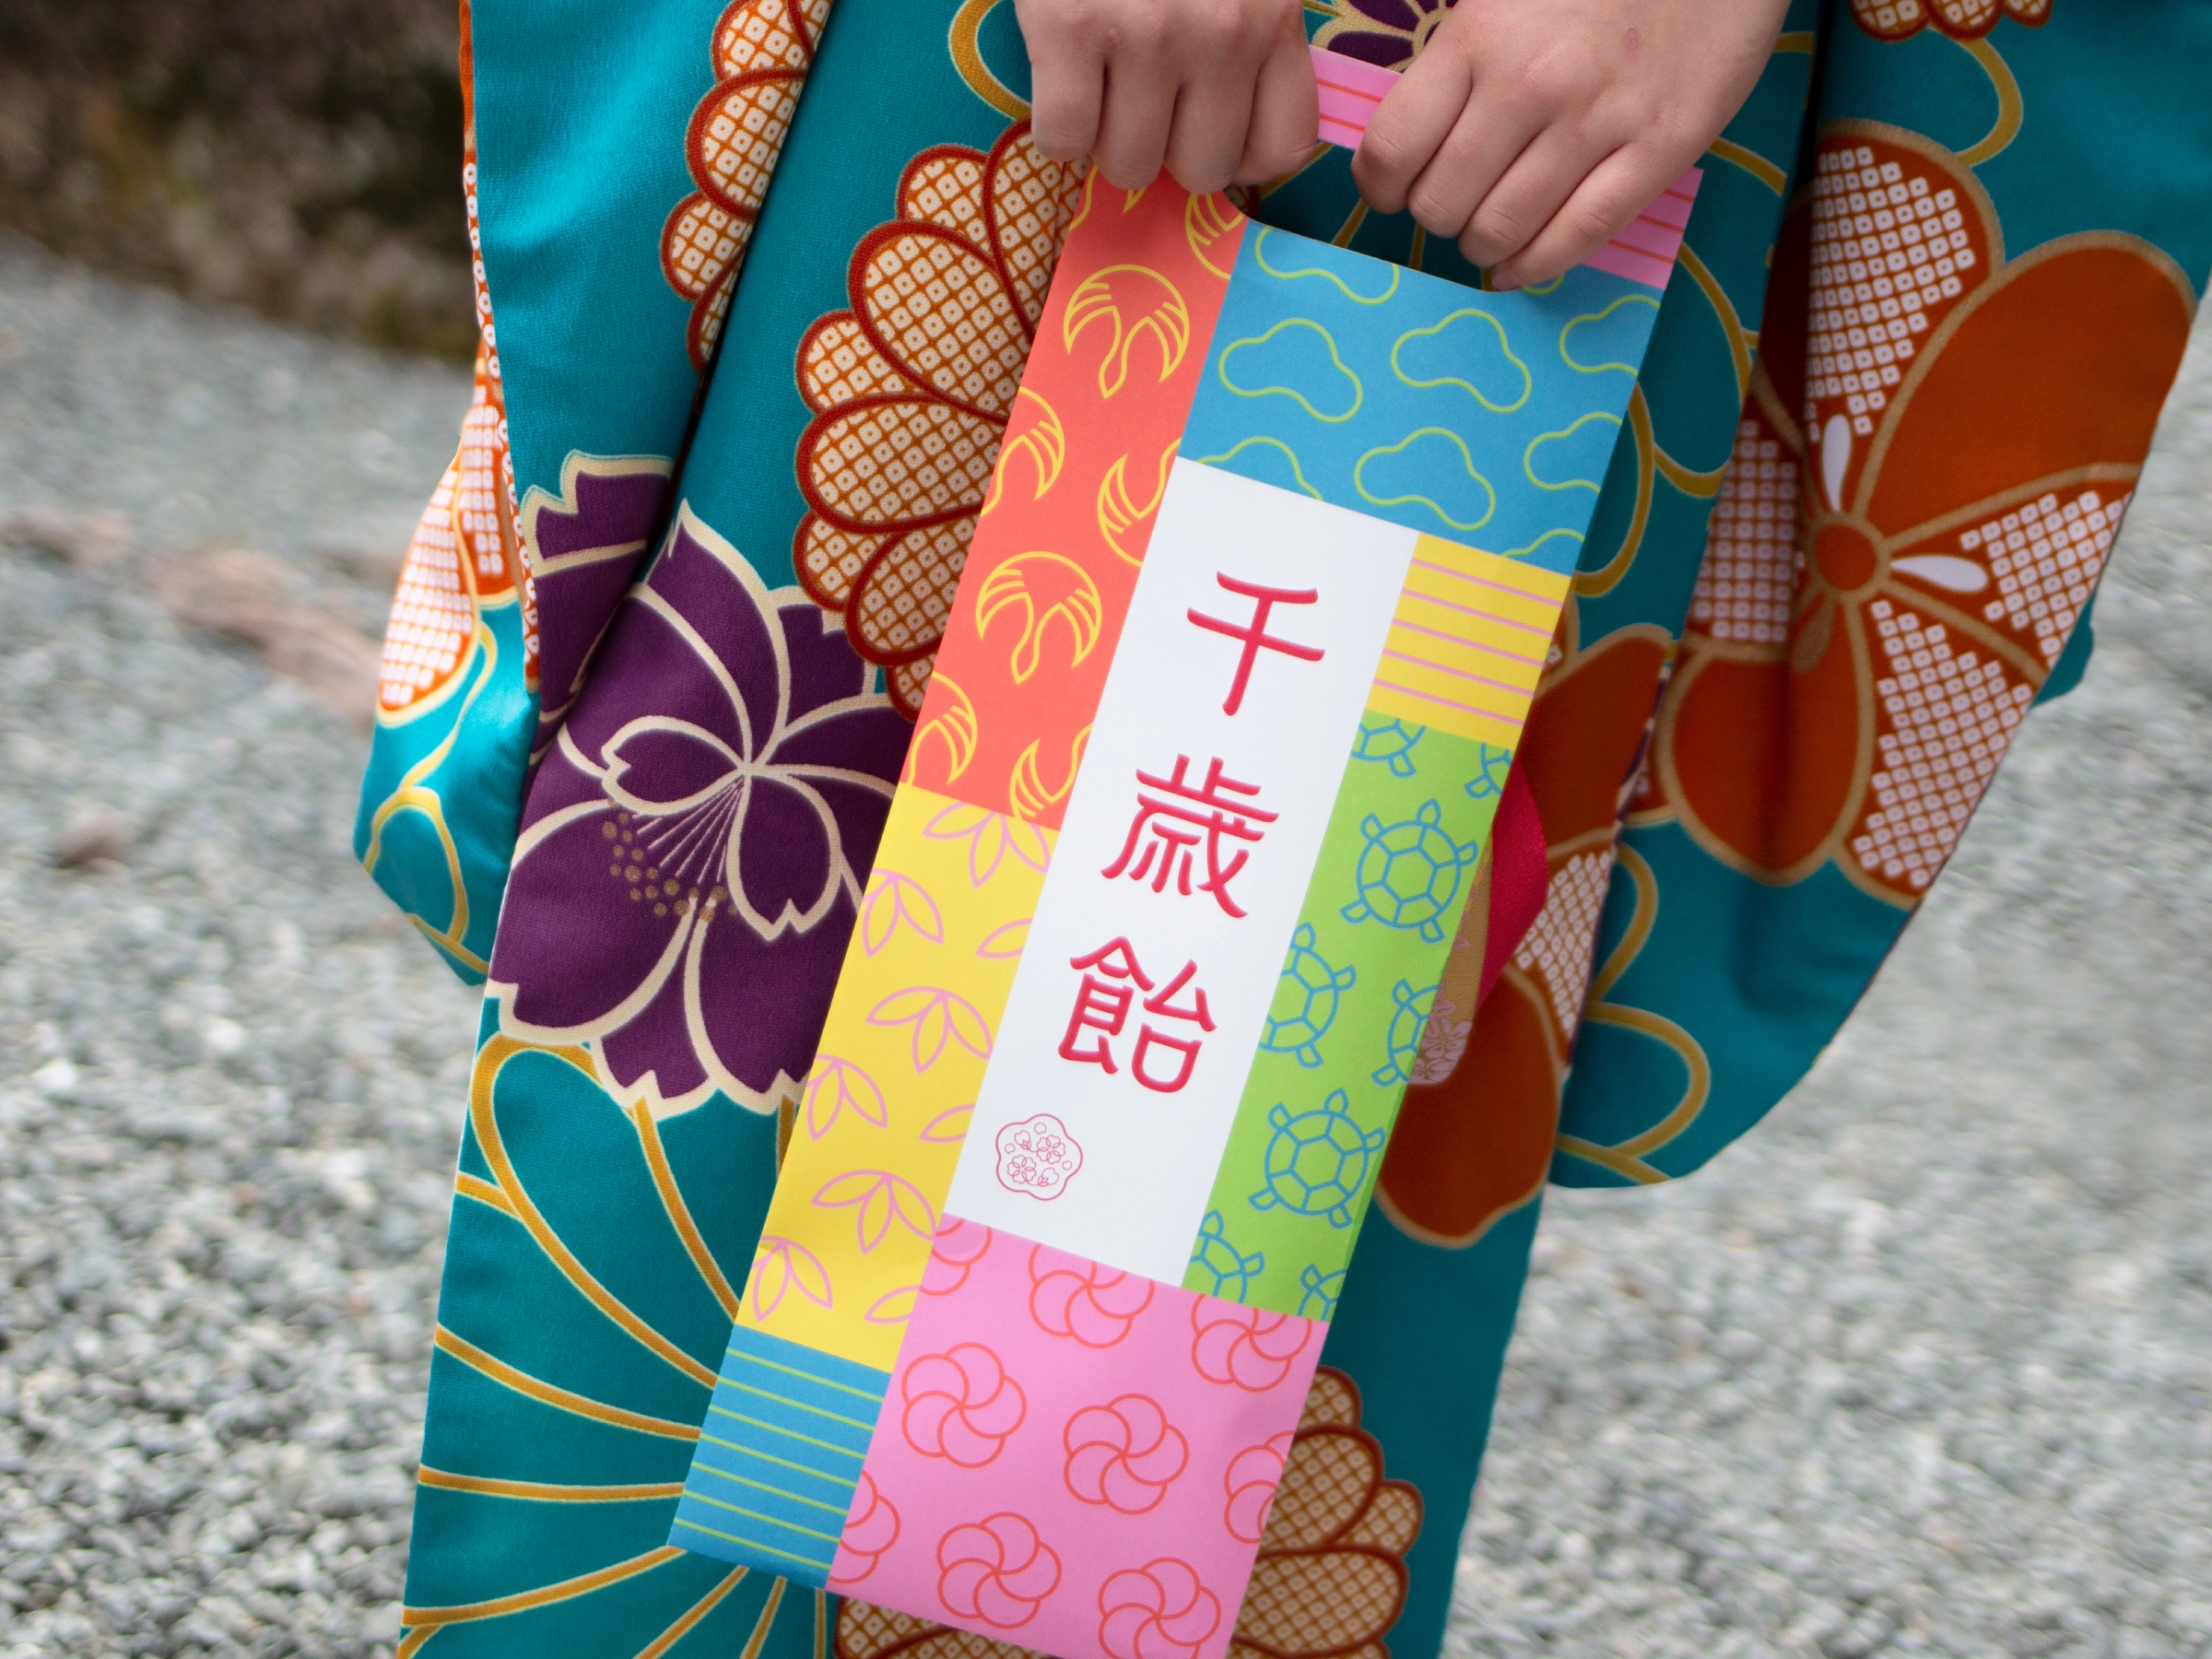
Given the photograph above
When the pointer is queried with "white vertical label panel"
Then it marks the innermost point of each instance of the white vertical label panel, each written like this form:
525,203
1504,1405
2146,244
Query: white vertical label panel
1222,735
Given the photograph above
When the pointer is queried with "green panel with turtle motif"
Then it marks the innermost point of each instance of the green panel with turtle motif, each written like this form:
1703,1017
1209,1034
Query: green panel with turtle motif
1345,1032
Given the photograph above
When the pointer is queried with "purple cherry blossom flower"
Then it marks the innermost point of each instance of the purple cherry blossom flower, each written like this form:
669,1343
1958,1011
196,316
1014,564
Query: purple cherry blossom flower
695,843
1389,32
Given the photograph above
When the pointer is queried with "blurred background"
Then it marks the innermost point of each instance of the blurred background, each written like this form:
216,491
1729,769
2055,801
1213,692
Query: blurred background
1923,1367
294,155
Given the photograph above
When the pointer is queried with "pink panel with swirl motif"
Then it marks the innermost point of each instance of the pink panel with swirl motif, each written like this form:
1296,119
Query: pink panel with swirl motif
1093,1449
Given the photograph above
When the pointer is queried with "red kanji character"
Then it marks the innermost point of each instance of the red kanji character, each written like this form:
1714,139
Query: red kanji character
1162,1002
1146,1041
1171,828
1254,633
1101,1006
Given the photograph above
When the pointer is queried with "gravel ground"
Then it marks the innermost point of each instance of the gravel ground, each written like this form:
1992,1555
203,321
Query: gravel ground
230,1077
1924,1366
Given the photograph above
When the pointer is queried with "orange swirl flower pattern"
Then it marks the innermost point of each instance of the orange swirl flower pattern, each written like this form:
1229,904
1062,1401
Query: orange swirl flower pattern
1093,1304
913,388
763,51
1251,1481
1157,1611
960,1405
871,1527
1331,1579
1249,1348
1124,1453
996,1571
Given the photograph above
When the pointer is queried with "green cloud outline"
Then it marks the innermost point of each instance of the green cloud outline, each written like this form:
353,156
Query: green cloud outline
1230,351
1297,471
1528,381
1402,444
1528,465
1259,257
1574,535
1566,357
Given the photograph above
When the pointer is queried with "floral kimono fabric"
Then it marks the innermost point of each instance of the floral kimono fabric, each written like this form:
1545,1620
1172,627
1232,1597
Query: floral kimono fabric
765,277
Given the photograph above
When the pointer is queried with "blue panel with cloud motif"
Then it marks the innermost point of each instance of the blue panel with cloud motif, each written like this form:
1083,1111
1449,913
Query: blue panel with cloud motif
1488,419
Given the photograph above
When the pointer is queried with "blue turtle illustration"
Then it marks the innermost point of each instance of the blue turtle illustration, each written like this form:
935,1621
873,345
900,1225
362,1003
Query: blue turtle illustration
1405,1027
1389,743
1317,1162
1409,873
1322,1289
1489,782
1230,1269
1305,1000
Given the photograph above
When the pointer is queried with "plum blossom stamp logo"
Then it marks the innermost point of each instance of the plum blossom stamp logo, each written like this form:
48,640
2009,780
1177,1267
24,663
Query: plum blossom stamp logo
1038,1157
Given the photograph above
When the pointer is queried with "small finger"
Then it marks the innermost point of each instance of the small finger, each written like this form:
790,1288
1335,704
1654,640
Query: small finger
1484,147
1285,113
1068,85
1521,201
1613,193
1134,122
1207,138
1413,119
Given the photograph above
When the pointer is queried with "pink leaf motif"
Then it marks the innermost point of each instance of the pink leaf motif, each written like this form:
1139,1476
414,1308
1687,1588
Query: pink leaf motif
938,1016
991,836
1005,941
880,1196
783,1264
893,1307
949,1127
893,899
836,1085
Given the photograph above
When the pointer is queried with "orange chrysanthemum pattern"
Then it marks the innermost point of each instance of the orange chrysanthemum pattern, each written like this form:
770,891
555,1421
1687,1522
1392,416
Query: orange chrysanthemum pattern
1933,467
913,388
1330,1580
763,51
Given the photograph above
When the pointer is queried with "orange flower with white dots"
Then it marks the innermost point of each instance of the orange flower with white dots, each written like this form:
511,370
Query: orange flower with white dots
763,51
1961,19
914,388
465,553
1924,489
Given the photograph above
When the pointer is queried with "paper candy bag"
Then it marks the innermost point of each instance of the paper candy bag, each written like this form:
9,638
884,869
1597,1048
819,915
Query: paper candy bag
1277,540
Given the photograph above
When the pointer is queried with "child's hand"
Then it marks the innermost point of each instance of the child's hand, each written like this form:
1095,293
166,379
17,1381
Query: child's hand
1532,130
1219,91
